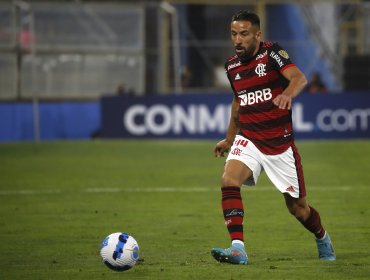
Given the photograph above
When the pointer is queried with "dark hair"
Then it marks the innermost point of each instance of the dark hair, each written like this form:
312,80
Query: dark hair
245,15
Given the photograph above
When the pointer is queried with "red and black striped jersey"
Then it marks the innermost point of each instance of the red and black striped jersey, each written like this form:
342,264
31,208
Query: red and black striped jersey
256,83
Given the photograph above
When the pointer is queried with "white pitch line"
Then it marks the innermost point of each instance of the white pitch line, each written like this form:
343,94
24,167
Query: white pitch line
146,190
163,190
29,192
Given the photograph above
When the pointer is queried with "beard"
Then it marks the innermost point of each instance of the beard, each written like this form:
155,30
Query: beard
246,53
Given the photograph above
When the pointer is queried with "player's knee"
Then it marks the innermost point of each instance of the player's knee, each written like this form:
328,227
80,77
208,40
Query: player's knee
298,207
229,181
300,213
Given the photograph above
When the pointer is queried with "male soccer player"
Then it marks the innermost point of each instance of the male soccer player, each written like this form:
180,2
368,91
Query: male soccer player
260,137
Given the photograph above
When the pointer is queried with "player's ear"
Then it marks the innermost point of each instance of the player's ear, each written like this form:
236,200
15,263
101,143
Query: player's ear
258,35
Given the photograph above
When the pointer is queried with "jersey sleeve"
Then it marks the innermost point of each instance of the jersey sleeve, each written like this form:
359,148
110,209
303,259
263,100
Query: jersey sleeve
280,57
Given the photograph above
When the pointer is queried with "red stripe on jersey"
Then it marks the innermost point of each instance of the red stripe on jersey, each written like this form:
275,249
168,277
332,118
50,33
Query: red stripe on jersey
270,133
262,116
255,80
298,166
269,124
272,150
257,108
286,67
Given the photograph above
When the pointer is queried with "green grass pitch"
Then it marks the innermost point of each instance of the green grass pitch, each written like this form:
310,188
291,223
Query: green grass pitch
58,200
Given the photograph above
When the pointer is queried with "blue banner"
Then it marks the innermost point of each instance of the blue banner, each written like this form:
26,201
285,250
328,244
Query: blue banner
57,120
206,116
334,116
325,116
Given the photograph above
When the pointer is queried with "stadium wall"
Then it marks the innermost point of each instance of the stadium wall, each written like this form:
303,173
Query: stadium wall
195,116
58,120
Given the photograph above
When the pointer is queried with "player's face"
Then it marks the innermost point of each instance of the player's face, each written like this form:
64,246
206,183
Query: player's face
245,38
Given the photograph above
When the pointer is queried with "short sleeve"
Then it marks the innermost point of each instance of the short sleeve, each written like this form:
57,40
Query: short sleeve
280,57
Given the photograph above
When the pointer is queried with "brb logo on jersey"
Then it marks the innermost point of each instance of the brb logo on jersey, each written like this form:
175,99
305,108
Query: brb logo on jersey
261,69
254,97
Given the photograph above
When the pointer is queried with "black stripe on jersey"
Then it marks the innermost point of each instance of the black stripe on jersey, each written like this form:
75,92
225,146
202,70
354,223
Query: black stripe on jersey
257,108
270,124
245,73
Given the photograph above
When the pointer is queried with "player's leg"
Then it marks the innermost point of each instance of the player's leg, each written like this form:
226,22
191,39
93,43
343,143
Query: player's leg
286,173
304,213
309,217
235,174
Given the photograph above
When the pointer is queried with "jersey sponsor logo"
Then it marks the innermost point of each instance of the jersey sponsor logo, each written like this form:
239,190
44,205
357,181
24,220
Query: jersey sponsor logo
277,58
262,55
237,77
231,66
260,69
254,97
284,54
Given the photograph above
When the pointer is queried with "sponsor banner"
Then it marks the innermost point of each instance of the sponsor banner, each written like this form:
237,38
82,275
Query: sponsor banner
207,116
185,116
332,116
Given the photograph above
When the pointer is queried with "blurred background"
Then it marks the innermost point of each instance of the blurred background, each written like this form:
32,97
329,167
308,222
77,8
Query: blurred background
61,61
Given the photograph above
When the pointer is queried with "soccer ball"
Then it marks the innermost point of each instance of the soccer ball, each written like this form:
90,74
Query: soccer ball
119,251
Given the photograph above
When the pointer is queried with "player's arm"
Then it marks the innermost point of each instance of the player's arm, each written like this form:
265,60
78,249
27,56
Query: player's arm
297,81
224,145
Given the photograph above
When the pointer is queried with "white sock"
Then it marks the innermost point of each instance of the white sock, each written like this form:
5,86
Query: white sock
323,236
237,242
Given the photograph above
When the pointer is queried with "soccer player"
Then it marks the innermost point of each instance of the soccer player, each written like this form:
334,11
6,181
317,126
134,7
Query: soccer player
260,137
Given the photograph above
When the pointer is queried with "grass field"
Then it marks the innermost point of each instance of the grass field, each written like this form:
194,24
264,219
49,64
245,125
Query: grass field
58,200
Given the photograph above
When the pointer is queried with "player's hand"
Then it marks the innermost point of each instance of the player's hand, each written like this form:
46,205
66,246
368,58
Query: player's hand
283,101
221,148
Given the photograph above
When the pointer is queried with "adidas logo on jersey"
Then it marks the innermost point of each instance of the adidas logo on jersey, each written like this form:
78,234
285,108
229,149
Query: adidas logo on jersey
237,77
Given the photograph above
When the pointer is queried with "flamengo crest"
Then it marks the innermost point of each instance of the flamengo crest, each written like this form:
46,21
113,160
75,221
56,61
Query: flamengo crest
261,69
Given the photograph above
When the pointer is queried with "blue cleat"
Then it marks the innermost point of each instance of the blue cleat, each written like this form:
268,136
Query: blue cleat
234,255
326,251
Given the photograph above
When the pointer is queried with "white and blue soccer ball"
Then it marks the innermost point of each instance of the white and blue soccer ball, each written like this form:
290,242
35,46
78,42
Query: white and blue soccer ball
119,251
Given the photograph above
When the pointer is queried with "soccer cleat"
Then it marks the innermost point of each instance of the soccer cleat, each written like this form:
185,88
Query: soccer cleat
326,251
234,255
